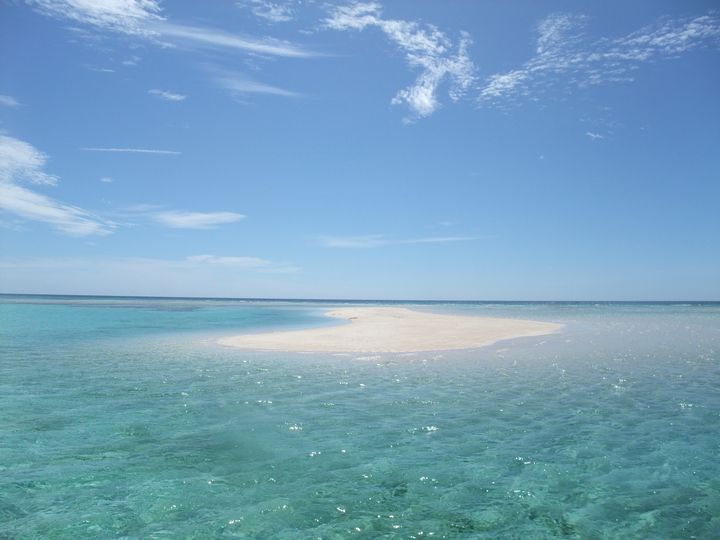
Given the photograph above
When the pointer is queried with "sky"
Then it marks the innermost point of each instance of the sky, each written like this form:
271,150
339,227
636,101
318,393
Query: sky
413,149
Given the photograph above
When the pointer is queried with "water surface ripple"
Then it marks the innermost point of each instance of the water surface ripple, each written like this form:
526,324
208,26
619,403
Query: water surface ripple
123,419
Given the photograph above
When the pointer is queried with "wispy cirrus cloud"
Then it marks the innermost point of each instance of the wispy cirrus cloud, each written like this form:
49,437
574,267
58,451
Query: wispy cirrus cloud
131,150
442,239
175,219
145,19
8,101
141,208
202,275
100,69
126,16
238,262
195,220
20,162
563,49
256,264
67,219
237,84
425,47
133,60
166,95
275,12
216,38
378,240
362,241
593,135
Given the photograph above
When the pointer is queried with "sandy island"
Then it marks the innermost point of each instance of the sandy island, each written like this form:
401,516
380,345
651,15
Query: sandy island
396,330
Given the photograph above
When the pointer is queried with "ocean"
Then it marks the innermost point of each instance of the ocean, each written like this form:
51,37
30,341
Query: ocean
122,418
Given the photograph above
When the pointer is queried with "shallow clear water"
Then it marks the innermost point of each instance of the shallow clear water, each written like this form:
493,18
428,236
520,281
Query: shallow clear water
122,418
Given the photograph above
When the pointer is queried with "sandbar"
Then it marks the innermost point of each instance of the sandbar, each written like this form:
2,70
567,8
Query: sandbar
394,330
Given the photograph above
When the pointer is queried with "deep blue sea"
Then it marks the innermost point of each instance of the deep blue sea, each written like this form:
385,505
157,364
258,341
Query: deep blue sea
122,418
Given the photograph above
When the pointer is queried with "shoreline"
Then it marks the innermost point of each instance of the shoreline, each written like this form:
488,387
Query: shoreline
394,330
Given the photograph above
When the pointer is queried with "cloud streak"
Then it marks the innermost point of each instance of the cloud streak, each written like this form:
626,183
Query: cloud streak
167,96
145,19
256,264
132,150
216,38
8,101
67,219
562,48
202,275
126,16
379,240
238,85
425,47
442,239
20,163
275,12
237,262
196,220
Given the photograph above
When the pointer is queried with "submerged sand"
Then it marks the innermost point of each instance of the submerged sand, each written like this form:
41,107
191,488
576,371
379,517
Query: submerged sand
395,330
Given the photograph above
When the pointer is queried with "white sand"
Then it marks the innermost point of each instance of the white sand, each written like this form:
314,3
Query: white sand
391,329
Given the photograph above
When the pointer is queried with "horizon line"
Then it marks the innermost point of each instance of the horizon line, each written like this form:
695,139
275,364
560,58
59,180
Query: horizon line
377,300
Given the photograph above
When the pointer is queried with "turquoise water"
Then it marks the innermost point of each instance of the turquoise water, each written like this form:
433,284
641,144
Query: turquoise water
121,418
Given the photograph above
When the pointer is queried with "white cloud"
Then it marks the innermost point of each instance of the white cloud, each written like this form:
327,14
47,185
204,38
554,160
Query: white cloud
237,262
563,49
196,220
594,135
8,101
441,239
271,11
132,61
213,37
257,264
143,207
238,84
167,96
377,240
100,70
21,162
197,275
127,16
502,84
133,151
425,47
366,241
107,180
668,38
176,219
558,31
143,18
65,218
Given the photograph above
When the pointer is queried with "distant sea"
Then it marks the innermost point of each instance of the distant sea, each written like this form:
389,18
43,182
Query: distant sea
122,418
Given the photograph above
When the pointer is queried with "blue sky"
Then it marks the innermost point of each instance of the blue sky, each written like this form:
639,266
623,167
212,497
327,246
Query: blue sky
406,149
